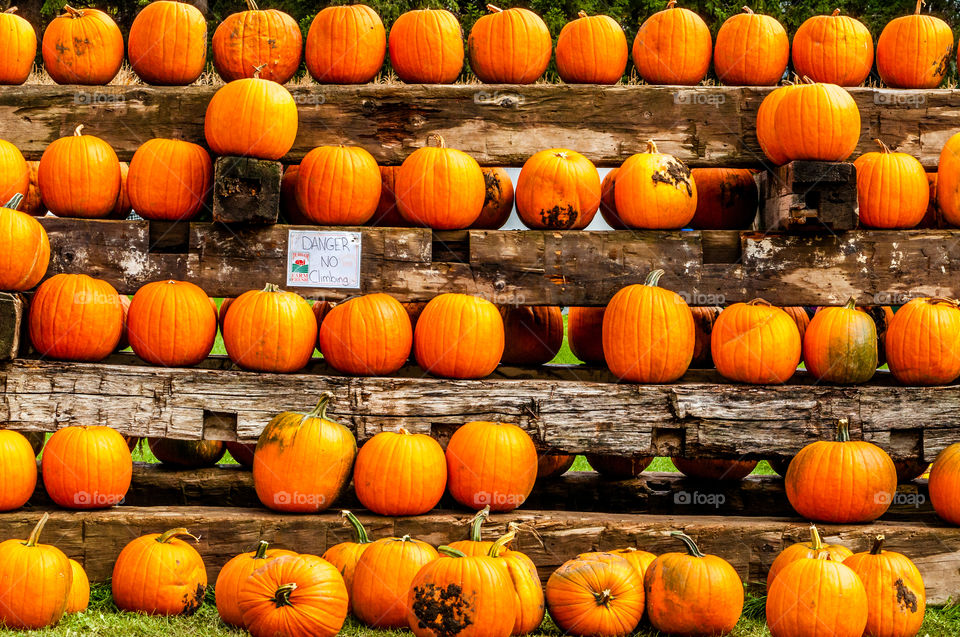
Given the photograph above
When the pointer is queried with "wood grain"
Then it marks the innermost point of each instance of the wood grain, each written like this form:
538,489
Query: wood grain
12,319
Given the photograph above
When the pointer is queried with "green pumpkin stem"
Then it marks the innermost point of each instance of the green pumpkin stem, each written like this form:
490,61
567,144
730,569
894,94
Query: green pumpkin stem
816,543
477,522
851,304
37,530
449,551
877,547
166,536
271,287
653,279
14,203
261,552
502,541
843,430
362,537
320,411
282,596
691,545
252,6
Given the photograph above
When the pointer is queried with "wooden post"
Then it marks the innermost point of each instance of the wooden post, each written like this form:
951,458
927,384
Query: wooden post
246,190
809,195
12,311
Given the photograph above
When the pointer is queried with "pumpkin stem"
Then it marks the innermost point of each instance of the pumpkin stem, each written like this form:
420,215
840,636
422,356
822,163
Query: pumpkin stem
449,551
320,411
815,542
835,13
603,598
261,551
252,6
920,3
403,431
502,541
257,69
477,522
760,302
35,533
691,545
651,146
883,147
877,548
11,10
581,14
851,304
166,536
271,287
441,142
362,537
653,278
70,11
76,132
671,4
282,596
935,300
14,203
748,10
807,80
494,9
843,430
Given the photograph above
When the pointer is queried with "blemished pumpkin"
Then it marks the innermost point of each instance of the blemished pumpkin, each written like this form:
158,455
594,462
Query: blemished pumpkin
806,550
585,333
755,343
86,467
596,595
533,334
171,323
914,51
947,181
673,46
752,50
82,46
24,248
338,185
382,580
75,317
476,456
440,188
619,467
369,335
654,191
727,198
169,180
265,128
32,204
840,345
896,597
122,208
160,574
400,473
18,43
814,596
388,214
284,465
558,189
945,483
14,171
833,48
346,45
767,136
553,465
18,470
167,45
842,481
459,336
591,50
934,323
191,454
706,587
267,41
79,596
608,200
892,189
510,46
497,200
234,575
35,581
426,47
648,333
79,176
703,320
345,555
818,122
705,469
270,330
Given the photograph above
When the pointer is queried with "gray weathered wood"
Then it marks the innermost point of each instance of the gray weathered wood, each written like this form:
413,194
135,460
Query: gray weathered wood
246,190
12,319
810,196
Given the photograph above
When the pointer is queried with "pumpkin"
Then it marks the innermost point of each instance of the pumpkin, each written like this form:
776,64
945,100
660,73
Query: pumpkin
338,185
79,176
160,574
704,469
806,550
86,467
18,470
833,48
608,200
648,333
167,45
284,473
441,188
345,555
817,596
265,128
703,320
751,50
654,191
459,336
399,473
475,544
914,51
35,581
294,595
242,452
727,198
673,46
169,180
346,45
24,249
509,47
171,323
755,343
477,454
18,41
82,46
840,345
267,41
767,135
843,481
497,200
948,181
187,453
596,595
639,560
426,47
896,598
910,469
122,208
591,50
892,189
819,122
270,330
382,580
553,465
558,189
935,323
320,311
532,334
32,203
14,171
289,207
800,317
387,213
75,317
943,483
234,575
79,596
525,581
585,333
619,467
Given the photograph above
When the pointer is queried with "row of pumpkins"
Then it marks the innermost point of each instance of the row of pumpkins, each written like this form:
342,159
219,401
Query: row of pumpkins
347,45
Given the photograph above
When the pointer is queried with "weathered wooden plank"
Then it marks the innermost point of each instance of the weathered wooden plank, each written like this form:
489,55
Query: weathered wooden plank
246,190
12,320
810,196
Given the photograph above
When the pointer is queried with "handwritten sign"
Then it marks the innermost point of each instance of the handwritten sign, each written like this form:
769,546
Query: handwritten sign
323,259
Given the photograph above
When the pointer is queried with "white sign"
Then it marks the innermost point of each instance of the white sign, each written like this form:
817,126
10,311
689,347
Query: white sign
323,259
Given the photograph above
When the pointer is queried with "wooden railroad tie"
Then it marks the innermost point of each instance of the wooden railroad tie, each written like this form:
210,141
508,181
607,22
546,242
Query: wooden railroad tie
810,196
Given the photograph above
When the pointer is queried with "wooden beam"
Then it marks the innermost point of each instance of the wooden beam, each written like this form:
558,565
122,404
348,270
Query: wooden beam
246,190
809,196
12,320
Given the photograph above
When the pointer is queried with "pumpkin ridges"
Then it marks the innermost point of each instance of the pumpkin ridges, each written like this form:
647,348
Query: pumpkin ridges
847,63
751,50
169,179
591,50
82,46
86,467
154,57
268,40
75,317
426,46
814,595
18,470
19,42
62,188
678,49
345,45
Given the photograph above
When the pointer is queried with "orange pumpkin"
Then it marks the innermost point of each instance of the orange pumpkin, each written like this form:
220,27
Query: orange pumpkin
32,204
171,323
14,171
896,597
441,188
833,48
79,597
619,467
86,467
608,200
591,50
840,345
752,50
767,135
703,320
169,180
892,189
338,186
819,122
585,333
160,574
509,47
167,45
800,317
922,342
24,249
476,456
558,189
914,51
596,595
817,596
270,330
346,45
82,46
944,481
400,473
381,583
426,47
550,465
35,582
18,470
475,545
345,555
532,334
388,213
459,336
806,550
265,128
234,575
525,583
497,200
755,343
648,333
947,182
727,198
673,46
654,191
75,317
79,176
704,469
266,41
368,335
122,208
18,41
